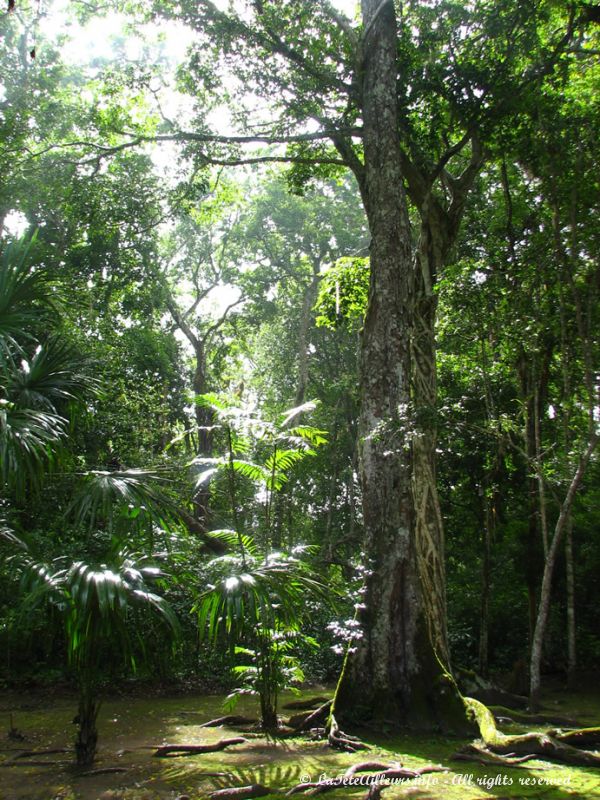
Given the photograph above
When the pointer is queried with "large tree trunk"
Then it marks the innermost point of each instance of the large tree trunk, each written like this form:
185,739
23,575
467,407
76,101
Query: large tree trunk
396,670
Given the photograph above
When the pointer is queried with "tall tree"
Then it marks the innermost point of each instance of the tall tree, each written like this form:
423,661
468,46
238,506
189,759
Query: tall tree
406,104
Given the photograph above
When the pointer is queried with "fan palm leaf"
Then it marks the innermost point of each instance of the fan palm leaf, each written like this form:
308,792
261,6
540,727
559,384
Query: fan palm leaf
24,289
250,592
28,442
49,378
95,602
104,496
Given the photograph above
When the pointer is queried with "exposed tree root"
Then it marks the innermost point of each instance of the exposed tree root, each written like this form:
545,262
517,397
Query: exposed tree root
498,697
481,755
30,753
501,712
102,771
343,741
228,720
241,792
540,745
473,685
582,737
14,763
170,750
303,705
311,719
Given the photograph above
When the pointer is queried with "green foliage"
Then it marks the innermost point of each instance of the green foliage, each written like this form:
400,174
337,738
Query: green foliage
272,667
259,605
94,602
122,234
104,497
38,379
24,292
343,293
244,431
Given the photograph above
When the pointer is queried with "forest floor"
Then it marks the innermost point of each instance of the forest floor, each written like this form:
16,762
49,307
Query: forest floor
131,727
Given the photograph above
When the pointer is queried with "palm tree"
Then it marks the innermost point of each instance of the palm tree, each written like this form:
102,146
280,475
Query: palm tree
38,380
259,604
96,602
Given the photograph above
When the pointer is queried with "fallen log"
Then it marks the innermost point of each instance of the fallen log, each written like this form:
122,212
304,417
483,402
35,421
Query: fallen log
170,750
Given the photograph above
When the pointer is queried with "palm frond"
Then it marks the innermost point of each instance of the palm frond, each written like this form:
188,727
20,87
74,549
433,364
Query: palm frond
51,377
95,600
249,593
305,434
24,289
28,439
232,539
104,496
292,413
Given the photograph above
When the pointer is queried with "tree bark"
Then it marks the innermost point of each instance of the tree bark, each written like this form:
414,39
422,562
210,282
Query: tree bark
544,607
571,629
204,420
484,616
397,669
310,296
87,735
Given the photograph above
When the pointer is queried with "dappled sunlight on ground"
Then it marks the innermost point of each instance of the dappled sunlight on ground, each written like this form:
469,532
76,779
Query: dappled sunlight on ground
131,727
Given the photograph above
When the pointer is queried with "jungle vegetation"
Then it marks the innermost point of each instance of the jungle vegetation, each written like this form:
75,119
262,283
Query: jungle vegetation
298,352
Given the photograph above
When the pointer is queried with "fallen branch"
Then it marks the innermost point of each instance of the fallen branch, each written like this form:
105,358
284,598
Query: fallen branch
170,750
29,753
